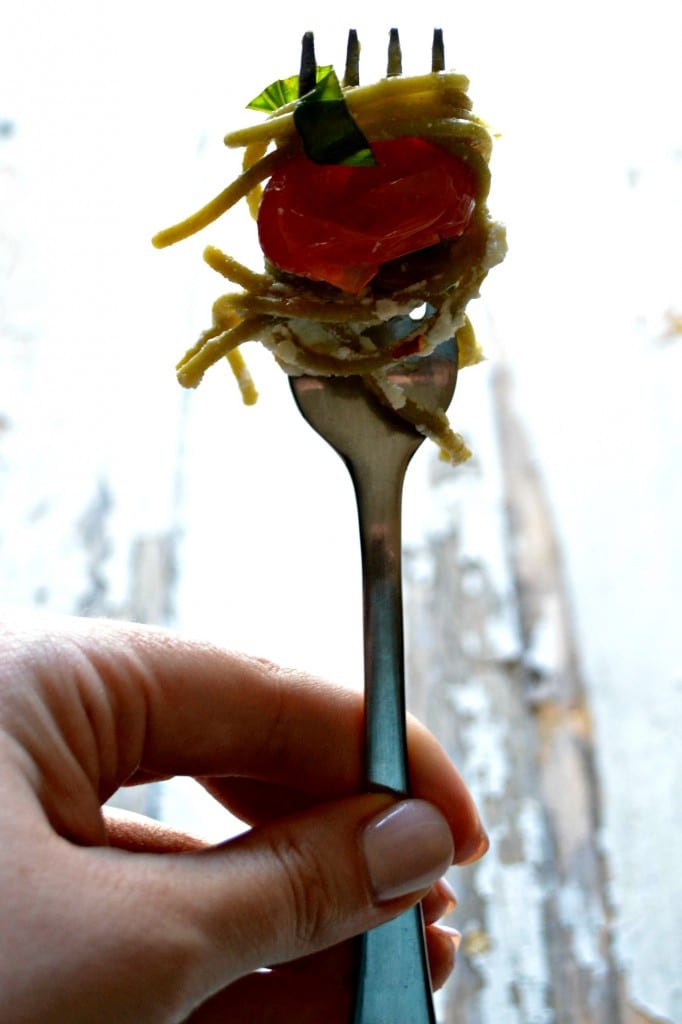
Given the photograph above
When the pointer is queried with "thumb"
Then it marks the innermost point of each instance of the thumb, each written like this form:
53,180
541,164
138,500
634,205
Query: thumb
286,889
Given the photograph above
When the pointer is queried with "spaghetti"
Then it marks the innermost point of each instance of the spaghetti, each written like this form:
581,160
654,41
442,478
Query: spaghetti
322,294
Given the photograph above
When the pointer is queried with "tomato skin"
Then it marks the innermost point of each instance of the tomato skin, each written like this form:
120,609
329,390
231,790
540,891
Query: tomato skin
339,224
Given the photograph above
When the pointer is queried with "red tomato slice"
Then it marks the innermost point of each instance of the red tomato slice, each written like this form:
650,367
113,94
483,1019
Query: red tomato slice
339,224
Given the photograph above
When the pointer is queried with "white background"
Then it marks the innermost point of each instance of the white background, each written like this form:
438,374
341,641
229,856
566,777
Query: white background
118,115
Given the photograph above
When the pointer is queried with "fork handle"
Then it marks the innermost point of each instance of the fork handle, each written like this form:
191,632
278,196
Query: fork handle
379,513
394,985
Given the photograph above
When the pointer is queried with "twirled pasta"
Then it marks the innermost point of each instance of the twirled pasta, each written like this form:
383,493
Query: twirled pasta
313,327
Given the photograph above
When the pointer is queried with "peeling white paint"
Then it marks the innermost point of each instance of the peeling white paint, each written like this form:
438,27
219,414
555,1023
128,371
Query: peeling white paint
545,653
486,739
516,972
584,921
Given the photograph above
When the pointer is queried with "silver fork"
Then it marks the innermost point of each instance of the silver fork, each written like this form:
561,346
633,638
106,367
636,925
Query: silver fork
394,985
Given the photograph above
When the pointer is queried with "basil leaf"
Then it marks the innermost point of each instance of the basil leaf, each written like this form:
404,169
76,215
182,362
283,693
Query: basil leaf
326,126
281,92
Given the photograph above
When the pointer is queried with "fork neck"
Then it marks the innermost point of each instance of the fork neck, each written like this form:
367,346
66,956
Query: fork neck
379,511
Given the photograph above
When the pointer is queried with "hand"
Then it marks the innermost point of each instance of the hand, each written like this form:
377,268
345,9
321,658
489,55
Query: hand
128,921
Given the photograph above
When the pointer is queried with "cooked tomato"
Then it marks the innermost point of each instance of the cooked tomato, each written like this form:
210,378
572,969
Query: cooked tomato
339,224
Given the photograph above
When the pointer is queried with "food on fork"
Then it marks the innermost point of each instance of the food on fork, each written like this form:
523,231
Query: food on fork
373,223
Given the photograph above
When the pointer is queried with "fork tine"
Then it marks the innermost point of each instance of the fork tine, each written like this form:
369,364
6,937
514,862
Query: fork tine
352,73
395,57
307,76
438,51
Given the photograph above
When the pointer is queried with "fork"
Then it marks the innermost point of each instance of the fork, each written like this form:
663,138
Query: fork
394,985
376,444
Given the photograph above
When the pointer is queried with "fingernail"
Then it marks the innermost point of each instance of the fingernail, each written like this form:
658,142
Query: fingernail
447,955
447,894
475,849
452,934
407,848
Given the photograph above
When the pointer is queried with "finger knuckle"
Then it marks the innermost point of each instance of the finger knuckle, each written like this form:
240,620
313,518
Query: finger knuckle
308,890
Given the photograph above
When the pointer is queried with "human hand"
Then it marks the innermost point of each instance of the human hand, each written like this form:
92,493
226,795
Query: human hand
128,921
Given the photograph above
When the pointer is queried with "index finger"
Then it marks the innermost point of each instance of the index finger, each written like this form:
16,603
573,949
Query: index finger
170,706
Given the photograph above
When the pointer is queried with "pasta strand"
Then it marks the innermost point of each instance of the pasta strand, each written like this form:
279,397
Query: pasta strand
313,328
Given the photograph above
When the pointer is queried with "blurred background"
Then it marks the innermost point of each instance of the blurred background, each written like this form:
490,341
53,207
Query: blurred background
542,579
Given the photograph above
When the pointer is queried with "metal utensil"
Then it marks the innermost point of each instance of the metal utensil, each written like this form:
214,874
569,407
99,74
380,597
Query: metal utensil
377,445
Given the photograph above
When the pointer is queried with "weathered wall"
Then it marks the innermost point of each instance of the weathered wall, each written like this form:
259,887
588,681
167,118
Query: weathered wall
542,579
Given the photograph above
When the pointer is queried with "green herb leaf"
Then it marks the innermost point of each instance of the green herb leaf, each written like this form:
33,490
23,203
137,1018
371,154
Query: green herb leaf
326,126
281,92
